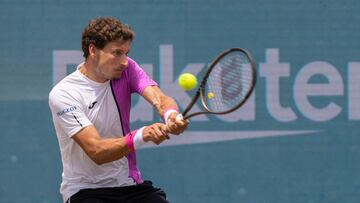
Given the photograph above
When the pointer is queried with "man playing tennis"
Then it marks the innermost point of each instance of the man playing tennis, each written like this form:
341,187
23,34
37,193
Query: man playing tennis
91,114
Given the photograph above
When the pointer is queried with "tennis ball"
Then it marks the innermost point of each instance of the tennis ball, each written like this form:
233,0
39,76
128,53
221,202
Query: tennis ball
187,81
211,95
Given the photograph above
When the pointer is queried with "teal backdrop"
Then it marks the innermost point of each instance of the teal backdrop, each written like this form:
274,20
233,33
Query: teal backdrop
296,141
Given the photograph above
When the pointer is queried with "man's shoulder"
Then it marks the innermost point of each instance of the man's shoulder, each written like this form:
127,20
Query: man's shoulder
132,63
67,85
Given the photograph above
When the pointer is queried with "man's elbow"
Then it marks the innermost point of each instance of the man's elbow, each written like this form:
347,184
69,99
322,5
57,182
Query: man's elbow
95,155
99,162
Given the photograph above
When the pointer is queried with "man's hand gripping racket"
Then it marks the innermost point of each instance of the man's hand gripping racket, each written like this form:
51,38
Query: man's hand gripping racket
227,84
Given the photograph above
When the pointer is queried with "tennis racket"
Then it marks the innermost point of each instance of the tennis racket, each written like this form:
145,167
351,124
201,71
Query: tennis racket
227,84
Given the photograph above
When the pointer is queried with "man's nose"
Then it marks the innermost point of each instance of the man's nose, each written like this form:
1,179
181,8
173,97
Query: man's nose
124,61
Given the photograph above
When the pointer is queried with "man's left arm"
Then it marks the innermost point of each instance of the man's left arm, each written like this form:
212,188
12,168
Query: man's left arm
166,107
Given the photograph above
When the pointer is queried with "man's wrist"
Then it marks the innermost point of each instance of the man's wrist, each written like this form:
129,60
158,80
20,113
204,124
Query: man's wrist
168,112
134,140
138,139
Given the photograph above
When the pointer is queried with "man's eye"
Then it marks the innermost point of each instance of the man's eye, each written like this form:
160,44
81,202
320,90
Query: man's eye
117,53
120,53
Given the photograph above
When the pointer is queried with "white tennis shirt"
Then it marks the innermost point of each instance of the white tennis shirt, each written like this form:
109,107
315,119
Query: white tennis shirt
75,103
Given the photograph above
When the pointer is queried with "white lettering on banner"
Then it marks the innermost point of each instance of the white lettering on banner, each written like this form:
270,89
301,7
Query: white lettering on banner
272,70
354,90
303,90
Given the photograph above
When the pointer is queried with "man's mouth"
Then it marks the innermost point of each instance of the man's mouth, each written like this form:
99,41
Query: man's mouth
119,69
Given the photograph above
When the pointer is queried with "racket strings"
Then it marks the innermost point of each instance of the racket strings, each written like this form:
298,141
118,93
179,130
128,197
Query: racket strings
229,82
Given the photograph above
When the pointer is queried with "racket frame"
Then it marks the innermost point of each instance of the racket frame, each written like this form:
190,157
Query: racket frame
201,90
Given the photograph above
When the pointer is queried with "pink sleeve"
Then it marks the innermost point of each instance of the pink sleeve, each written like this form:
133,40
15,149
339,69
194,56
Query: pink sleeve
139,79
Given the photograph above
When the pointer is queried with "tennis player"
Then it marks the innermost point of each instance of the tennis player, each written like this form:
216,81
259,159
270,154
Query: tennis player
91,114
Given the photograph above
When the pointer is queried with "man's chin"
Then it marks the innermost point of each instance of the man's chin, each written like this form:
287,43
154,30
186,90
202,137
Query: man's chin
115,77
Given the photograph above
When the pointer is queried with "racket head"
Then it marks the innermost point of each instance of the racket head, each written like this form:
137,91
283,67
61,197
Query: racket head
229,81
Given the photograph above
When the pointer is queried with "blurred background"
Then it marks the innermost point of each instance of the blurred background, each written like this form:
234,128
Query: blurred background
296,140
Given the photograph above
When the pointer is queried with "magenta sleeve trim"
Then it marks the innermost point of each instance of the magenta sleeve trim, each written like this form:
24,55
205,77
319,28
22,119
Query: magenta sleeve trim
129,140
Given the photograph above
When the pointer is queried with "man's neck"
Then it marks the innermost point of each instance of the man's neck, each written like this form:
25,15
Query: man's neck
89,71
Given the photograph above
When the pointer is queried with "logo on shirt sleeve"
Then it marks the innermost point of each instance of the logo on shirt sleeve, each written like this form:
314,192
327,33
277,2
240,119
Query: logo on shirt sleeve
70,109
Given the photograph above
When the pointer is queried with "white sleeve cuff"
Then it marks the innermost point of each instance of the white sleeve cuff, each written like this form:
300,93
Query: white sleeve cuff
167,114
138,139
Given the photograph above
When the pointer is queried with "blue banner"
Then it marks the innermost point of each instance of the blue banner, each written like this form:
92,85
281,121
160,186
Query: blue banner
295,140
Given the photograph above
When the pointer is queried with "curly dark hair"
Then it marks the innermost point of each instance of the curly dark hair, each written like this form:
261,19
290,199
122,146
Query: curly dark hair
103,30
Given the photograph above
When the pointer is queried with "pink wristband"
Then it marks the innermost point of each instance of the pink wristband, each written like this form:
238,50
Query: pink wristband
129,140
134,140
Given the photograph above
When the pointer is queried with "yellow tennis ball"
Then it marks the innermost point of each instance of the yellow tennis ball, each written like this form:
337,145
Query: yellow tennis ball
211,95
187,81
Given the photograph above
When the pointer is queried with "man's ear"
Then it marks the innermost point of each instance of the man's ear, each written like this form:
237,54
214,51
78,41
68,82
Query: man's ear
92,50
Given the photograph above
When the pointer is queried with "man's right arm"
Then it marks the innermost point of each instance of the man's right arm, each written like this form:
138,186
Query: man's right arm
101,150
104,150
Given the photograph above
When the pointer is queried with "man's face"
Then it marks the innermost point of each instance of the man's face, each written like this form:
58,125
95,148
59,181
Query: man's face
111,61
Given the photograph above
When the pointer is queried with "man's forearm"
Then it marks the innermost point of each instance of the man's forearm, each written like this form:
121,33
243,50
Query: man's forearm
108,150
166,104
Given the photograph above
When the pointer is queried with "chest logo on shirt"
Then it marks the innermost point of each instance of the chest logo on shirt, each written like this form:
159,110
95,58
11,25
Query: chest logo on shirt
92,105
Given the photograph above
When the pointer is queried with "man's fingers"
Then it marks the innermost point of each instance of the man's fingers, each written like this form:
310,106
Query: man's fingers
162,132
165,131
